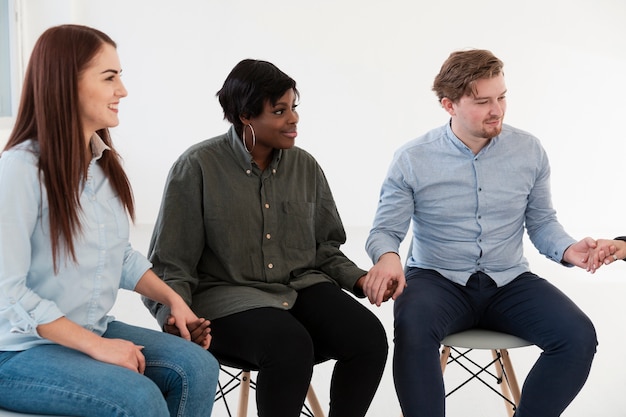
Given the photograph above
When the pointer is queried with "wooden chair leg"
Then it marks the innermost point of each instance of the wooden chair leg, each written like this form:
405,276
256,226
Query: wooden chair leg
314,403
509,386
504,386
445,354
244,394
511,377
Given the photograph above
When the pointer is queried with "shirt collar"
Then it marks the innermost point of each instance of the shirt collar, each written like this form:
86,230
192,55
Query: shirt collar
244,158
460,145
98,146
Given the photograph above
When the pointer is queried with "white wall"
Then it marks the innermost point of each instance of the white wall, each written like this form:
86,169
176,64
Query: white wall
365,69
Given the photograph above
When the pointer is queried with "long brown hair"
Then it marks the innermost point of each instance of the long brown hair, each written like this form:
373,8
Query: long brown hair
49,114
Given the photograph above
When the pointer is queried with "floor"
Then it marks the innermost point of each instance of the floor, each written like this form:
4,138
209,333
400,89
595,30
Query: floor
599,295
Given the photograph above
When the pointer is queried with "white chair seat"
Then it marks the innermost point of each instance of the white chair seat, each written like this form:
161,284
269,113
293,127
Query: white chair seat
484,339
499,344
6,413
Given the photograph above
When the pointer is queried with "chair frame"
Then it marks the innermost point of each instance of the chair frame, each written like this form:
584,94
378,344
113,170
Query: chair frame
242,379
504,374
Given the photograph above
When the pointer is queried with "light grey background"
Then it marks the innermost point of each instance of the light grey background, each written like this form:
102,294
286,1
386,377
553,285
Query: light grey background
365,69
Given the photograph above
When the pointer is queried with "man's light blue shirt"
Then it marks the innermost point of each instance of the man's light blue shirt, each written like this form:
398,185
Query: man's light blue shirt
468,212
30,293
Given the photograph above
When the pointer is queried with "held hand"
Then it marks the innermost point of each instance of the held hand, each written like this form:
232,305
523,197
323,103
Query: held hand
579,254
120,352
196,329
384,280
609,251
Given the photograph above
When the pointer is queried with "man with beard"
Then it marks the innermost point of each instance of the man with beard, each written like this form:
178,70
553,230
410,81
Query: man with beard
470,189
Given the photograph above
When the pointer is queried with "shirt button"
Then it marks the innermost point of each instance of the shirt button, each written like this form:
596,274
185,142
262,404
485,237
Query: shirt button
248,171
267,205
268,236
270,266
274,171
285,304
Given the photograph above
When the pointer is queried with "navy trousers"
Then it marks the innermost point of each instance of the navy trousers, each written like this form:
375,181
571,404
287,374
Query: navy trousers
431,307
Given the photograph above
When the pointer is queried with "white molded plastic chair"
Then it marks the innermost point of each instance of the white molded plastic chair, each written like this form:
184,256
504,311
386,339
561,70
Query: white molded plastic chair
481,339
456,348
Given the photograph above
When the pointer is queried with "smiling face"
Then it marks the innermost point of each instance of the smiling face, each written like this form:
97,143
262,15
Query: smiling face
477,118
275,127
99,91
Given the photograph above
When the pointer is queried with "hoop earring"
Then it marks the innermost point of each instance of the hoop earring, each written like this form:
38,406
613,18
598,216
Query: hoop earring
244,138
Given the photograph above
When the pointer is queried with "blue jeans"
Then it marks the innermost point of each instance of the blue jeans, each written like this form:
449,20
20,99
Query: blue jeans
179,380
431,307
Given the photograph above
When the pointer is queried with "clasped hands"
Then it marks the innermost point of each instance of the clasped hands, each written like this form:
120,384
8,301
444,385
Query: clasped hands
198,330
591,254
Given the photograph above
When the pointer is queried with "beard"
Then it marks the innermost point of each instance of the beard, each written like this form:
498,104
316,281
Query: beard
491,132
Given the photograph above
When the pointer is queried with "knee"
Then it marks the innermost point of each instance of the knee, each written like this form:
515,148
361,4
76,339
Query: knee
200,368
375,340
147,399
415,335
207,369
578,339
585,339
290,350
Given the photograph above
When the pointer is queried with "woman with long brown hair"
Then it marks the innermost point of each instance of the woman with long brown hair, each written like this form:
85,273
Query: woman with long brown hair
64,253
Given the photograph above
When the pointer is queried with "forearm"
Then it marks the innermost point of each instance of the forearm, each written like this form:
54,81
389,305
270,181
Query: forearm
152,287
65,332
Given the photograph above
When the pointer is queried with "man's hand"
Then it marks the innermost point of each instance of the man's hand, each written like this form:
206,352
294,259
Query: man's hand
579,254
384,280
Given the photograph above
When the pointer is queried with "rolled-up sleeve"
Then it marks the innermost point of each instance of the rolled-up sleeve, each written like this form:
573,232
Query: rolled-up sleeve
135,265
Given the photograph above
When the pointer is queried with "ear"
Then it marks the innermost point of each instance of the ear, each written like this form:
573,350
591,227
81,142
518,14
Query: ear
245,119
448,105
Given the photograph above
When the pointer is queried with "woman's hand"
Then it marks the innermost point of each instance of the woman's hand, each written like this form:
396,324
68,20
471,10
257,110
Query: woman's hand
114,351
120,352
184,323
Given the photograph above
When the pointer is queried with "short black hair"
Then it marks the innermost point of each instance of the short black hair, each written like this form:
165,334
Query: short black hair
248,86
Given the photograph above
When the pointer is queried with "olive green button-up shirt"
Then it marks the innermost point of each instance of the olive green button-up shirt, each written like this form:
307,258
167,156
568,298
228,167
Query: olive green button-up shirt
230,237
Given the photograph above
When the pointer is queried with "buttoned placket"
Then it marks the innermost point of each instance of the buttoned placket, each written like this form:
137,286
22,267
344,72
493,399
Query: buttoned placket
479,205
269,222
90,191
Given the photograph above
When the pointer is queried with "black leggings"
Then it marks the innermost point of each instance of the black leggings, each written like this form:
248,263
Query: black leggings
283,345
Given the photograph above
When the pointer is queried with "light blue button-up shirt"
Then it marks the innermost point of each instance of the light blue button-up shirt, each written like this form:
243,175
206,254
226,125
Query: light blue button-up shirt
30,293
469,211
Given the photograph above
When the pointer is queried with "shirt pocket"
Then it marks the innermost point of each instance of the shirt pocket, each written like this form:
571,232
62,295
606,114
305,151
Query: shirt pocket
298,225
